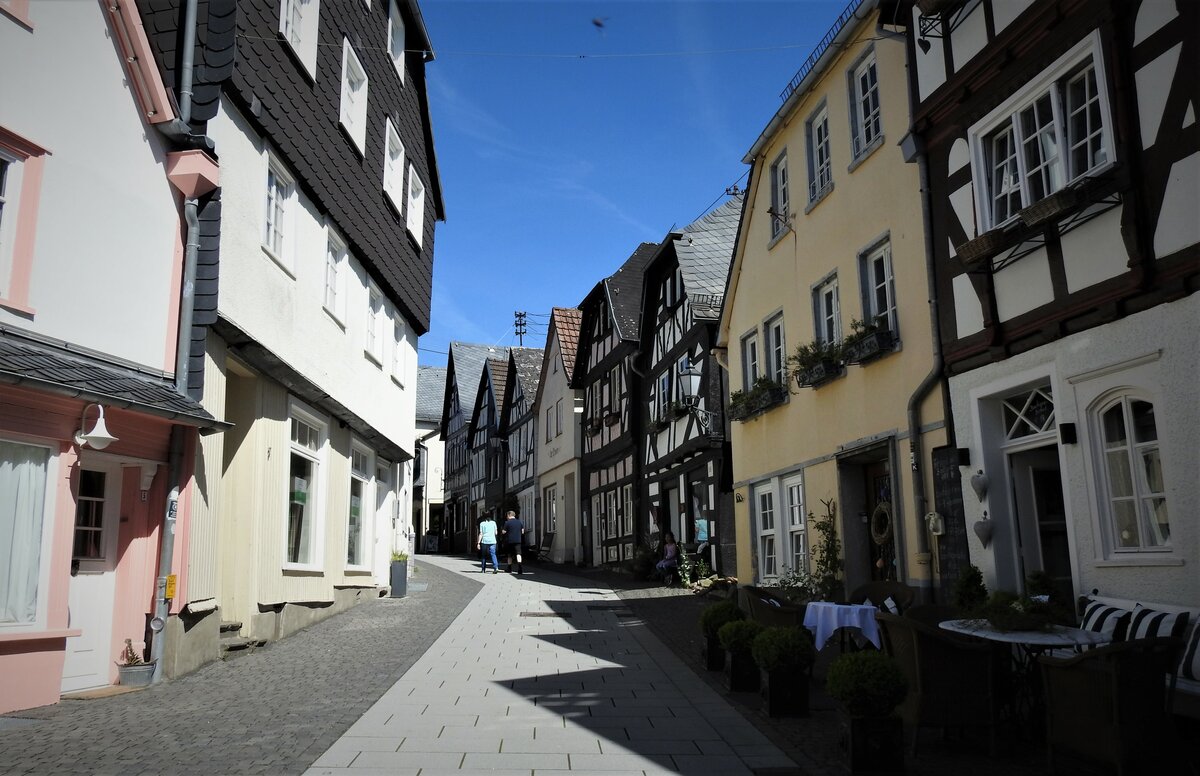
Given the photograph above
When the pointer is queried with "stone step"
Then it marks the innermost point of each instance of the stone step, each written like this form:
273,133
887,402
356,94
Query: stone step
228,626
237,646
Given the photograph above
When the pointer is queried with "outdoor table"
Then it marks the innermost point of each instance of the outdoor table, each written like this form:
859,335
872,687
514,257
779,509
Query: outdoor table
1029,644
823,618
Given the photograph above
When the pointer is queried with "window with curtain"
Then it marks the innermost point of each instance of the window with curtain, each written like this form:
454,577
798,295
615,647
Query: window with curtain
22,515
1132,461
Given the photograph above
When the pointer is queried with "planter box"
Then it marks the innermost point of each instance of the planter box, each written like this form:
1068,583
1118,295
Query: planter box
934,7
135,676
399,578
869,347
714,656
741,672
875,744
985,246
785,692
612,418
818,374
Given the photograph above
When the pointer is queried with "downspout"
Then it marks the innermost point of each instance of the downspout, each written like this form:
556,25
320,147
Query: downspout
162,604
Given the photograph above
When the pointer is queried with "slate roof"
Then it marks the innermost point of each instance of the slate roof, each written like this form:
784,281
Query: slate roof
529,369
499,369
431,387
567,322
624,288
467,360
77,374
704,251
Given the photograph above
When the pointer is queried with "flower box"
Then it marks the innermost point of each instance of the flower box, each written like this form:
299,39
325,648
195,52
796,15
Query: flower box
869,346
819,373
982,247
612,418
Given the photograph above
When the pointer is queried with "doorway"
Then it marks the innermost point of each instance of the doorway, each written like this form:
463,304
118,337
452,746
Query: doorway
92,589
1042,542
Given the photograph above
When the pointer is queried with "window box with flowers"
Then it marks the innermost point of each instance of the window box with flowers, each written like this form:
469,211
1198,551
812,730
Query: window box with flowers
815,363
867,342
594,425
763,395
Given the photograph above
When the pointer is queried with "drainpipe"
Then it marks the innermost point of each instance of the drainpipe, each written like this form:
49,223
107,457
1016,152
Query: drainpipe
162,605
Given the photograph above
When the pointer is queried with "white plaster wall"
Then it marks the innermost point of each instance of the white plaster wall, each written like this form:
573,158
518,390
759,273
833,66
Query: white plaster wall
564,447
284,311
1023,285
1094,251
969,37
107,227
1179,220
968,312
1004,12
931,65
1168,329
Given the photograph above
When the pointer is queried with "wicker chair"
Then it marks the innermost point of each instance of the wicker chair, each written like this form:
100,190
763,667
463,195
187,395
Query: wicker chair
1110,705
879,591
932,614
756,602
952,683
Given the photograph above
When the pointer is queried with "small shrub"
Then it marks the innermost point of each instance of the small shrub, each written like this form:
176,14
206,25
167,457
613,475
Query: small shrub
130,656
970,594
866,683
739,635
783,647
713,617
399,556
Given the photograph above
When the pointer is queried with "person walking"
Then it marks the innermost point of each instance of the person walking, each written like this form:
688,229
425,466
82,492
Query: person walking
485,542
514,538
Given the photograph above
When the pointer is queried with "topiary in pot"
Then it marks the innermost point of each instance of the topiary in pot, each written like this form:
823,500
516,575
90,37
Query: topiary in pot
711,620
869,686
785,656
737,638
970,594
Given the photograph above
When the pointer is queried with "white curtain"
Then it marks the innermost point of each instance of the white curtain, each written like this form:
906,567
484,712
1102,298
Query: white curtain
22,502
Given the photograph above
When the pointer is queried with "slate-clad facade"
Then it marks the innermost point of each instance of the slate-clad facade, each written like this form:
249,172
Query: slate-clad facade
1063,158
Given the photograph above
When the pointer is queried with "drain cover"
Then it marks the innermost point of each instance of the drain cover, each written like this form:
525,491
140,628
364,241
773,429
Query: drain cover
564,615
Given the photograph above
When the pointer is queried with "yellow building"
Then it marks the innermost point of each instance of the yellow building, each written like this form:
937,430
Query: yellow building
833,235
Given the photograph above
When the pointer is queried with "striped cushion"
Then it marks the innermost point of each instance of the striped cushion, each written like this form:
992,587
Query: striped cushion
1109,620
1189,667
1149,623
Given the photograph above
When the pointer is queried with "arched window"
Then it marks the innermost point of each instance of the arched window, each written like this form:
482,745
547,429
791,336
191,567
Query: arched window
1135,494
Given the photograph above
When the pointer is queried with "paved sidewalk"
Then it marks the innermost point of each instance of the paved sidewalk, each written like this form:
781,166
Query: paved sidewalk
549,672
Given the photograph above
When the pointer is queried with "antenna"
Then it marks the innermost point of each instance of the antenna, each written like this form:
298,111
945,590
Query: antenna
519,326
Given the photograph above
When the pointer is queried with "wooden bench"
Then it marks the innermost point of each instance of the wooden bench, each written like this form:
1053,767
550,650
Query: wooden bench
1185,695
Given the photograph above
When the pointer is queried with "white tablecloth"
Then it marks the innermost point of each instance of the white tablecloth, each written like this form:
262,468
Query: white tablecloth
824,618
1054,637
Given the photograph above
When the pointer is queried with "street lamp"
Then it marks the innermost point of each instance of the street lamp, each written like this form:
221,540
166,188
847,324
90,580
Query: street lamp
689,386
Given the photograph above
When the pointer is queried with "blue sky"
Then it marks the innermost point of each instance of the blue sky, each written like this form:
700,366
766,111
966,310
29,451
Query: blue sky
563,145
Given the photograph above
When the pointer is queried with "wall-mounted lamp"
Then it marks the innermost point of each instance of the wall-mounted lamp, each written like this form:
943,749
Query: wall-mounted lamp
935,523
98,437
780,219
689,385
979,484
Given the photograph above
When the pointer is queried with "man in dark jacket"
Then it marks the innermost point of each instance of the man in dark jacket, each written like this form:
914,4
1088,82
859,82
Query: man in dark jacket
514,538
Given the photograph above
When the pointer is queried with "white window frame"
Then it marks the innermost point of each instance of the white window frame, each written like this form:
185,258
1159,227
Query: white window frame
796,527
866,117
549,423
819,153
365,515
396,24
11,168
879,293
279,209
627,510
315,495
393,166
337,259
415,220
550,509
400,359
44,543
766,528
352,110
662,395
558,417
827,315
299,25
780,199
1006,119
373,339
1131,452
751,365
776,349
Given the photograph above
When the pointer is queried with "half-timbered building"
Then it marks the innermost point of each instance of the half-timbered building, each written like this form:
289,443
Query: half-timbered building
518,428
608,343
464,365
558,406
488,455
1063,158
684,455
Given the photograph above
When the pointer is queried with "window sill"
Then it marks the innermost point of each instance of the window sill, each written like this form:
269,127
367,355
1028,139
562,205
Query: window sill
17,16
398,381
871,148
16,307
334,317
784,232
397,205
302,569
309,72
821,195
39,635
279,262
1141,561
348,130
376,360
357,571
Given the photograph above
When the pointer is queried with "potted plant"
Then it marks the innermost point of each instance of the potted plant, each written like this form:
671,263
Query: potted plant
816,362
785,656
867,341
869,685
711,620
1011,612
132,670
399,574
739,405
741,672
969,593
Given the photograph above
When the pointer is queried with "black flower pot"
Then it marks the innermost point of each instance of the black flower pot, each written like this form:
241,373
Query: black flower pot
741,672
714,655
785,692
875,744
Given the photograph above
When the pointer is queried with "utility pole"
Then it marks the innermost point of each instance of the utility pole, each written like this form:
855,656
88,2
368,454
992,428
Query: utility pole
519,326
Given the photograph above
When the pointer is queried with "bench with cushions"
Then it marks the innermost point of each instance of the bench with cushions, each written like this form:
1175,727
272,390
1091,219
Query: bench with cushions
1125,620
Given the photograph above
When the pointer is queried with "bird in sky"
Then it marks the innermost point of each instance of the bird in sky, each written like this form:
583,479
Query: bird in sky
598,23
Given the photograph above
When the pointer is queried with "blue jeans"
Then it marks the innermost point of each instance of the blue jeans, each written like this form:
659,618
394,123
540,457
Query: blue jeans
486,550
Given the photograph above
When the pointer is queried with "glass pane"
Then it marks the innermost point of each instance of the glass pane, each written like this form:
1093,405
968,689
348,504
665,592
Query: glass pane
1152,470
1126,522
769,568
1160,524
1119,480
299,530
1113,422
91,484
1144,429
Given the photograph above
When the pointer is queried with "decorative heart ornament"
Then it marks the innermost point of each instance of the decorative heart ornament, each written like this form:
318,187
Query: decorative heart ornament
979,483
983,529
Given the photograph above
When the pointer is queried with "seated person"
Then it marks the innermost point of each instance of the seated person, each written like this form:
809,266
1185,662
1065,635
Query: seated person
670,559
